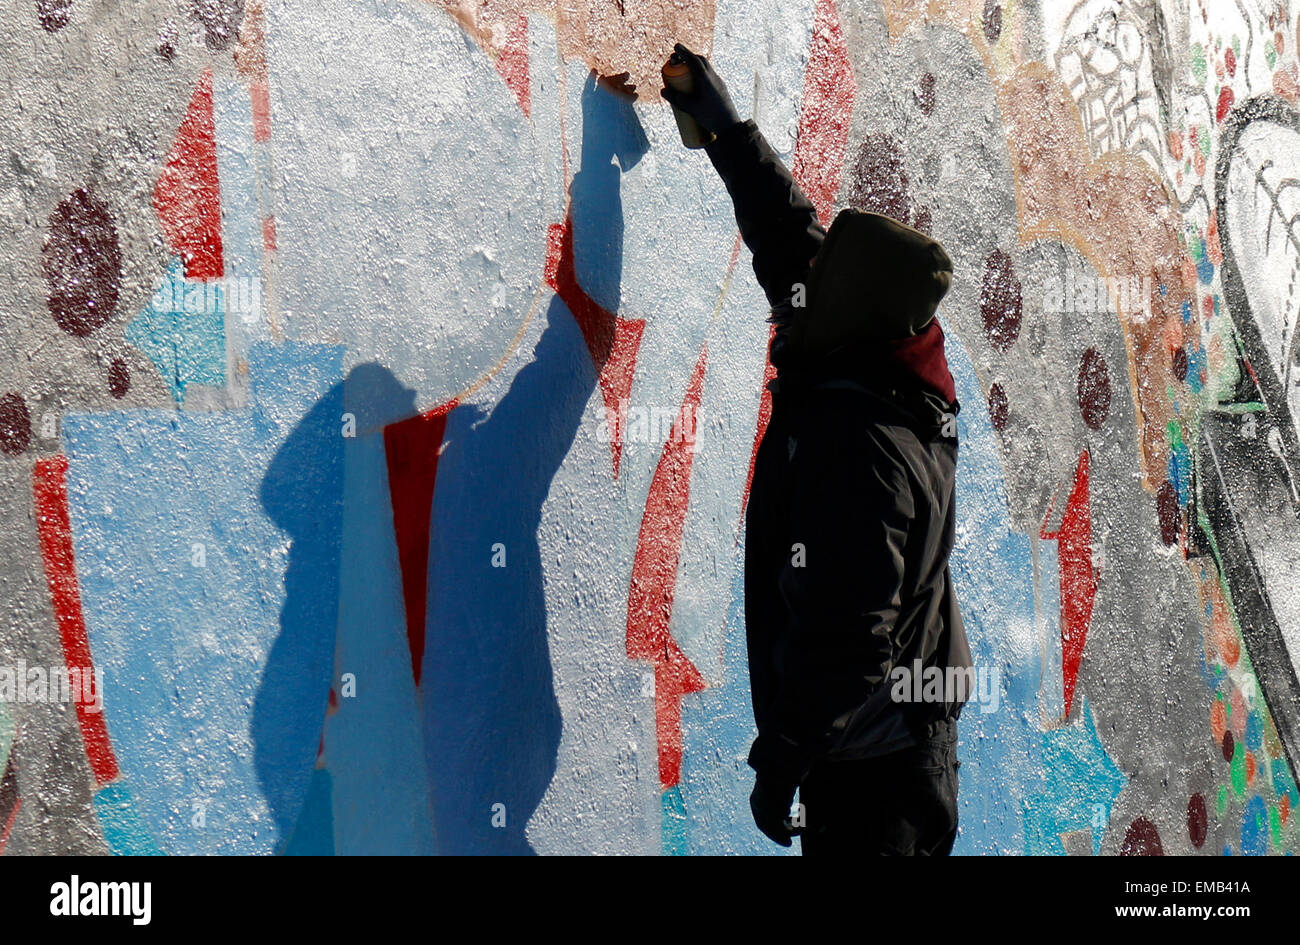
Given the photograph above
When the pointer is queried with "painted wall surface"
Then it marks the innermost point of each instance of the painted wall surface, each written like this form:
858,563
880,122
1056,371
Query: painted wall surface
314,313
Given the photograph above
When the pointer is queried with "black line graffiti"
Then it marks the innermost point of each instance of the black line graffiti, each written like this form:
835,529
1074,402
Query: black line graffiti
1248,454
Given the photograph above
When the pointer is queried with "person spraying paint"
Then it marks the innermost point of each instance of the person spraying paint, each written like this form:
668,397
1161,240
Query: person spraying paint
851,515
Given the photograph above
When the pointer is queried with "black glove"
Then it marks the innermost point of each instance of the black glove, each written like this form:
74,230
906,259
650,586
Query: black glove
709,102
770,804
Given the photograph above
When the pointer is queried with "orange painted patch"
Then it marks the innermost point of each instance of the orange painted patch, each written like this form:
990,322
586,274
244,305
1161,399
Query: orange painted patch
1218,721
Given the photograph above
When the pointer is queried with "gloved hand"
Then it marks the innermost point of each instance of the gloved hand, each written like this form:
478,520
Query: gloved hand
770,804
709,103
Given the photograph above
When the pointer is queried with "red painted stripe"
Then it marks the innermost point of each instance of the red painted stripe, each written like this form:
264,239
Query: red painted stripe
764,417
1078,579
613,342
827,110
654,583
260,92
675,676
411,448
512,63
49,486
9,824
187,197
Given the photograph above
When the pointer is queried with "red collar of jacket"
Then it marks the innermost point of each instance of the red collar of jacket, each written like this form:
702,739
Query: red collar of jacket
922,356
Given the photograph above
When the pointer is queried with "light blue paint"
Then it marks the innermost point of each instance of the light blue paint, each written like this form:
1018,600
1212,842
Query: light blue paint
1197,366
1081,784
717,730
6,737
215,678
674,823
182,331
993,570
124,833
1254,828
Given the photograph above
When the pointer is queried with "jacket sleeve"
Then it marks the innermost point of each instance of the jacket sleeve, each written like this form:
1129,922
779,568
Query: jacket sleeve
851,508
777,222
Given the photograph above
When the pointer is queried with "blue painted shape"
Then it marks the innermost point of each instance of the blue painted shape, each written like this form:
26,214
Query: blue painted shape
374,743
1204,268
182,331
1180,470
673,822
1196,367
314,833
216,677
1081,784
992,568
7,729
124,832
1254,828
1254,731
717,730
1282,783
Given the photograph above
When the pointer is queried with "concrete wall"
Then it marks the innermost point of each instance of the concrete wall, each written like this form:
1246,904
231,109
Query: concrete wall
312,313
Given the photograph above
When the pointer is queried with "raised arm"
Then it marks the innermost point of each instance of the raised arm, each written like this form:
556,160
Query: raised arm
777,221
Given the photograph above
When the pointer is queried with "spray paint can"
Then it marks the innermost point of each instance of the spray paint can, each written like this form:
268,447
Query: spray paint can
677,75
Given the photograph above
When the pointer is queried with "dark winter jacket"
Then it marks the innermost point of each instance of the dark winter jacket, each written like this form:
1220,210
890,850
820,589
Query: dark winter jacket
851,514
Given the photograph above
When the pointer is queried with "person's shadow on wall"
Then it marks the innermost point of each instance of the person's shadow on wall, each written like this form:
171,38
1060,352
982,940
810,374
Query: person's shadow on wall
303,494
493,724
491,719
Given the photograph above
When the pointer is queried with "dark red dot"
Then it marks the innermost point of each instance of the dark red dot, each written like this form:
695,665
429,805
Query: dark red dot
998,406
53,14
925,93
119,378
1179,363
1142,839
1169,512
15,424
992,21
82,260
879,181
1196,819
1000,301
1094,388
1229,745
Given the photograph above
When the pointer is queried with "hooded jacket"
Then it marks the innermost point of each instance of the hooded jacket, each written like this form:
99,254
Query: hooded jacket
851,516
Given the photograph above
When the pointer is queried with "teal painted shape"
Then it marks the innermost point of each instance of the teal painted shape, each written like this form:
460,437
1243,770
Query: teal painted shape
6,737
314,833
182,330
673,824
124,832
1080,786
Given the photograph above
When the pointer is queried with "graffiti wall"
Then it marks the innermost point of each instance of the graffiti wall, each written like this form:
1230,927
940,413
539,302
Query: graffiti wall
381,384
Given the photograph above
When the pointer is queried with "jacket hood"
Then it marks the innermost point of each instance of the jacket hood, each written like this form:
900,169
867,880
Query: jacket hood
873,279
